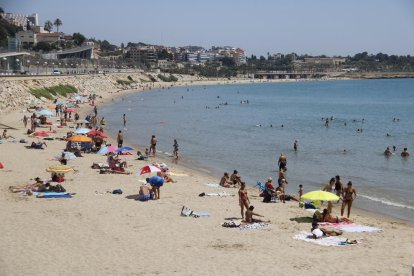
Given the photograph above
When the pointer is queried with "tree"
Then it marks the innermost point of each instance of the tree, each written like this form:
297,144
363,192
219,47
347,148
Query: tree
57,23
48,26
43,46
78,38
106,46
1,12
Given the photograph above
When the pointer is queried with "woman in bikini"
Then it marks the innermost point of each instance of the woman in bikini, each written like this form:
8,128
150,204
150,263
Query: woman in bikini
327,217
348,196
243,198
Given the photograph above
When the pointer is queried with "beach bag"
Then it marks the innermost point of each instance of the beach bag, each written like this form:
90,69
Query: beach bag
117,192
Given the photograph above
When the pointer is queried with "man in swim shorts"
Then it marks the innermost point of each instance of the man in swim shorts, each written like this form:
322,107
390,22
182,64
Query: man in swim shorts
153,145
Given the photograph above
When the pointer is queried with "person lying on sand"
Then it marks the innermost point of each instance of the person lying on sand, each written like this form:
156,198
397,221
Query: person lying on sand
39,145
249,216
318,233
27,188
327,217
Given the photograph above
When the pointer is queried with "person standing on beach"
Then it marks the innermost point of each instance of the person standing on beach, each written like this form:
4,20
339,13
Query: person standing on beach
175,151
95,110
124,119
25,120
156,183
348,196
338,186
243,198
153,146
120,139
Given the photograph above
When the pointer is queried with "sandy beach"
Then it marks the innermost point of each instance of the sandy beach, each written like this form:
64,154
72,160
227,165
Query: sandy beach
100,233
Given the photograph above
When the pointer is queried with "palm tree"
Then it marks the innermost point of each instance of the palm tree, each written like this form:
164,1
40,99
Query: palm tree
48,26
57,23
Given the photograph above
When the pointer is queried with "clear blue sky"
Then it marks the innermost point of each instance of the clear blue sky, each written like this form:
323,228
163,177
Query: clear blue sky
314,27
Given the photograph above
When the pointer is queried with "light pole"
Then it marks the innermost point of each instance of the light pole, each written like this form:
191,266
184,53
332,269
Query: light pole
46,67
37,62
7,64
18,66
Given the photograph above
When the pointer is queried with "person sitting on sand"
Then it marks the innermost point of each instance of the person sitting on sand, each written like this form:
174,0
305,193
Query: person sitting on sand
318,233
280,191
145,193
243,198
387,152
6,136
269,191
235,178
225,181
327,217
167,178
249,216
405,153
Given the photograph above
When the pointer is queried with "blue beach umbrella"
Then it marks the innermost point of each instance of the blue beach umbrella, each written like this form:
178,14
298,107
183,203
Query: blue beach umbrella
82,130
124,149
105,150
45,112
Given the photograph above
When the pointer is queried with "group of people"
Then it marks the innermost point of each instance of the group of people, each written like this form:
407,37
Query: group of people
346,194
404,153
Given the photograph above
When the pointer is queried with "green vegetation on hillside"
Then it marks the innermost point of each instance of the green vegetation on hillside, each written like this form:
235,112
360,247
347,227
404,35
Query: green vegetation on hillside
125,82
170,78
51,92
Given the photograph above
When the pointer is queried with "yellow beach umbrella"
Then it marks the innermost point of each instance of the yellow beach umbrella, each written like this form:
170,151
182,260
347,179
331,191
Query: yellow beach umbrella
320,195
79,138
59,169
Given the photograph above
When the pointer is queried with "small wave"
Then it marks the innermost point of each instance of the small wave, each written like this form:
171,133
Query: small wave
386,202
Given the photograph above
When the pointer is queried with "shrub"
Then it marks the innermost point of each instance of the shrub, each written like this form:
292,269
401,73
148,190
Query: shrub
51,92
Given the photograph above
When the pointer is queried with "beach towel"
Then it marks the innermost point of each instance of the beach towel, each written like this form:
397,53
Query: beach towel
213,185
178,174
254,226
351,227
187,212
48,193
221,194
325,241
61,195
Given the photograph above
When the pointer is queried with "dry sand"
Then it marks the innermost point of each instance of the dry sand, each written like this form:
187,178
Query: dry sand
97,233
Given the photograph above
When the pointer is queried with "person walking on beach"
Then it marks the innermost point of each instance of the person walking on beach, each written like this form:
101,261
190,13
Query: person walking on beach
175,151
243,198
124,119
348,196
120,139
338,186
153,145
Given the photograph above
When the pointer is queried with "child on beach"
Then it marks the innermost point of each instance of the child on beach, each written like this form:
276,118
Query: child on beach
300,192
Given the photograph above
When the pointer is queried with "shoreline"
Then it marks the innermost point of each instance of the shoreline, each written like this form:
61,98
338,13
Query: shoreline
101,233
206,171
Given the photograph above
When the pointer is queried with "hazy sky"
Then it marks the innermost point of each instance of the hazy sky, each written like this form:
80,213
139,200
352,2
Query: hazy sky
331,27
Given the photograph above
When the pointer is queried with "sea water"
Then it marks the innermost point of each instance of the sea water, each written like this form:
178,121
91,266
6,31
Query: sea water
218,131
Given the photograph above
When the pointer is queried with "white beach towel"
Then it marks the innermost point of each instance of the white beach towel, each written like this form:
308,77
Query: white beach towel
213,185
223,194
351,227
325,241
253,226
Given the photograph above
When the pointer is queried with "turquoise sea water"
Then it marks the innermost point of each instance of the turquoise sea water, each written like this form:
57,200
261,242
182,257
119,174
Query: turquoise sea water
230,137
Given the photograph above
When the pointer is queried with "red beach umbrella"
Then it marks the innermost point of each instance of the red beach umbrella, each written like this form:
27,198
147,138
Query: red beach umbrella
149,169
97,133
70,110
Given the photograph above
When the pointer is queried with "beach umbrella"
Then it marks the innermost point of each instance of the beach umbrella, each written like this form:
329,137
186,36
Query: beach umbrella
82,121
68,156
82,130
149,169
80,138
124,149
45,112
70,110
41,134
51,106
78,98
96,133
59,169
105,150
60,103
320,195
